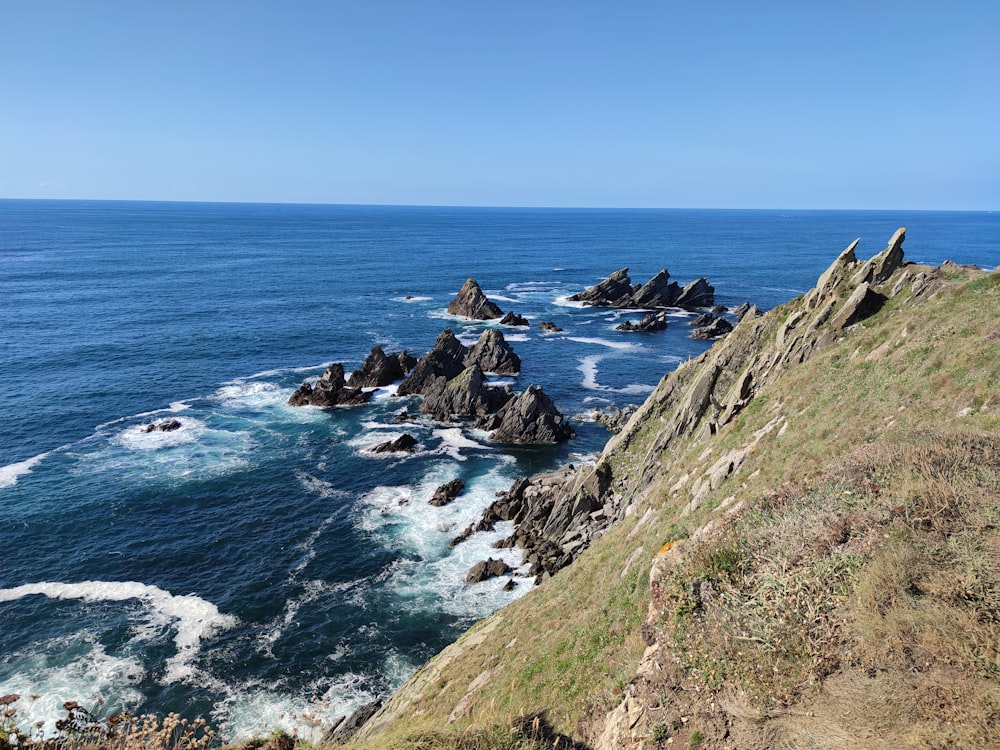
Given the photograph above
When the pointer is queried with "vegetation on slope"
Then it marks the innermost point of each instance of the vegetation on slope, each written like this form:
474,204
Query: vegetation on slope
842,562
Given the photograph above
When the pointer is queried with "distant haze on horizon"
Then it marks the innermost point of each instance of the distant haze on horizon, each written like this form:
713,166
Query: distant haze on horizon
782,105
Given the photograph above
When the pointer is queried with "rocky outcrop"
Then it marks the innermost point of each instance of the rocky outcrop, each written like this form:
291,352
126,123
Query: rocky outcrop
466,395
330,390
654,321
167,425
550,327
446,359
347,727
615,419
529,418
472,303
493,354
380,369
446,493
711,328
512,319
618,291
486,569
405,443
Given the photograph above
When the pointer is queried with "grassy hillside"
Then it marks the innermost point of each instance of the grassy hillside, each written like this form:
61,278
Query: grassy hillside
811,555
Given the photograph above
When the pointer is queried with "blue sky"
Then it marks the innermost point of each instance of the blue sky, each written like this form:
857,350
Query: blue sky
474,102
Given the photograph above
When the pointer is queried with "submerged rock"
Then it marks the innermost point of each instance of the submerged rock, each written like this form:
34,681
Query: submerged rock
472,303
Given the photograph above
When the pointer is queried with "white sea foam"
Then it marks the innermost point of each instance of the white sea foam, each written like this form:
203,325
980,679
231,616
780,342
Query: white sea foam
10,472
192,617
411,298
620,345
588,366
564,301
496,296
517,337
453,441
72,667
137,439
255,394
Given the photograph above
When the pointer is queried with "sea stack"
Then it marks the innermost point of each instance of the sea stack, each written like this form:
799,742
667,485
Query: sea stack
472,303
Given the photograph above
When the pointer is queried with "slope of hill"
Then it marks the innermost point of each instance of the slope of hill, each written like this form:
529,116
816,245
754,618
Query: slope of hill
797,544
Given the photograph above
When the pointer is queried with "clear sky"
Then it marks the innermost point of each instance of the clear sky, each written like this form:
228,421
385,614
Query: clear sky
802,104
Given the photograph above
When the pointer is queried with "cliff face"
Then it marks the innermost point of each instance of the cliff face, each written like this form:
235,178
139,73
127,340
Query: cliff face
730,545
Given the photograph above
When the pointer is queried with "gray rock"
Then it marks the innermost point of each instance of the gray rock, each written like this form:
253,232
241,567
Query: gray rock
493,354
168,425
529,418
329,391
447,492
347,728
380,369
614,291
472,303
446,359
654,321
512,319
659,291
549,326
699,293
403,444
466,395
713,329
487,569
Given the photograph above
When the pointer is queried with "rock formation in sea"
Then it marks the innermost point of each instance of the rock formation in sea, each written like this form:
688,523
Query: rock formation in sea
380,369
528,418
486,569
493,354
513,319
405,443
167,425
709,326
618,291
446,359
447,492
330,390
472,303
463,396
550,327
654,321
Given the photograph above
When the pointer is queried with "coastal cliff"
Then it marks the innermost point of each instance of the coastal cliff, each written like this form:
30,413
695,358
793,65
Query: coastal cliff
791,543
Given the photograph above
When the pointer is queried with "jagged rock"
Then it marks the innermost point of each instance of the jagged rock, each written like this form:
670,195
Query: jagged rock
614,291
715,328
659,291
615,419
654,321
330,390
699,293
466,395
529,418
466,533
347,728
403,416
403,444
380,369
702,320
493,354
472,303
550,327
510,585
512,319
445,359
168,425
863,303
742,310
617,290
447,492
719,309
487,569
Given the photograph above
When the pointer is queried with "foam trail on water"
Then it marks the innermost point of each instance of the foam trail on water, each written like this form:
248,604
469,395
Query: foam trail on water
10,472
622,345
193,617
588,366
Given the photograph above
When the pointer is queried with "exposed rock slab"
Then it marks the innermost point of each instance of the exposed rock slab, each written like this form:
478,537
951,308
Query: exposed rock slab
466,395
486,569
405,443
380,369
618,291
513,319
447,492
446,359
651,322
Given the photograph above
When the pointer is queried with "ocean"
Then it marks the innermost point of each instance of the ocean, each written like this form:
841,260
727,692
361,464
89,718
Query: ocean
260,566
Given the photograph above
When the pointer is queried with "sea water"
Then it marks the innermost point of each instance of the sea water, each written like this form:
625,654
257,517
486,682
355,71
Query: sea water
260,566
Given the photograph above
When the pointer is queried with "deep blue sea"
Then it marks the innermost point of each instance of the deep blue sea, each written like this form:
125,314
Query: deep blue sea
259,565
